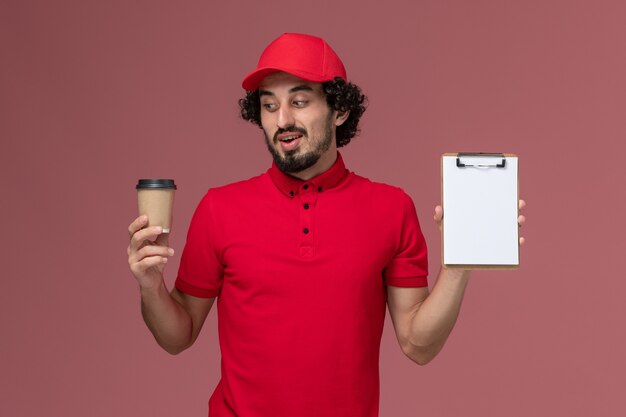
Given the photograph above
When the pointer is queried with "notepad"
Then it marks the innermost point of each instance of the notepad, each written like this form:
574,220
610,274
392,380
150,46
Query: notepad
480,210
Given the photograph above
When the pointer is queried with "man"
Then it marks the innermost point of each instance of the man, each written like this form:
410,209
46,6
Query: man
303,259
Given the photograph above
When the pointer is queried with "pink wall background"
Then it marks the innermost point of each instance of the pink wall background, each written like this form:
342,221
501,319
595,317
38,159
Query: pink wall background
94,95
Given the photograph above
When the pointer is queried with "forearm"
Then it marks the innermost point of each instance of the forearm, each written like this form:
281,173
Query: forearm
168,321
437,315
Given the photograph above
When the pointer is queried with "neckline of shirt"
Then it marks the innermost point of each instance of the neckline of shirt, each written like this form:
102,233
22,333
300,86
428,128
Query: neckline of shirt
290,186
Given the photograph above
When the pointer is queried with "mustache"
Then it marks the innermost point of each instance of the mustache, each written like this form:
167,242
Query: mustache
289,129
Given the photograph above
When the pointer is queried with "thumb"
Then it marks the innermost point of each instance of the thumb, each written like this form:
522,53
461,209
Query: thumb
438,214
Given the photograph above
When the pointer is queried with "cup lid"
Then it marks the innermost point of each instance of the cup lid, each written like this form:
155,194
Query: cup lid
155,183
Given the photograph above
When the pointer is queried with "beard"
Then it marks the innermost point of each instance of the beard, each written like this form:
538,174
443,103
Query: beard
292,162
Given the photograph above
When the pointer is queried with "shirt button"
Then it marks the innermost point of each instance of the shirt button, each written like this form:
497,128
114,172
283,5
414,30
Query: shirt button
306,231
305,186
319,189
306,206
291,193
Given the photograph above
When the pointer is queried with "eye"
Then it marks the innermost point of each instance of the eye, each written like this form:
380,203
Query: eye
300,103
269,106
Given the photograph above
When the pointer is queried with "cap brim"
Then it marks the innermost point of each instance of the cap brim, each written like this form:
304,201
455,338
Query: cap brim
252,81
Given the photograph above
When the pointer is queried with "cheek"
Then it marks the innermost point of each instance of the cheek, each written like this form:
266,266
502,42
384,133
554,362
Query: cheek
315,127
264,120
316,121
306,121
267,126
269,135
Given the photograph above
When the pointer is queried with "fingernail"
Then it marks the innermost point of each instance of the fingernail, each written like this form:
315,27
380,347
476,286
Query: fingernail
170,251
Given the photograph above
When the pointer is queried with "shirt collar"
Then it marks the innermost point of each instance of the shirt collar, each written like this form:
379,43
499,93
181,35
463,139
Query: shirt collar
290,186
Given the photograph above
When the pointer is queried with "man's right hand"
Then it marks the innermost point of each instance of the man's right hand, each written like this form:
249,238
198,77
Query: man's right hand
148,252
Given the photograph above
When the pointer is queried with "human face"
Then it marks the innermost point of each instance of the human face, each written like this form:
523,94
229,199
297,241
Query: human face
299,126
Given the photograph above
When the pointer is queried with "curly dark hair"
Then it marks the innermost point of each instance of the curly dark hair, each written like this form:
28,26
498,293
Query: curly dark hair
340,95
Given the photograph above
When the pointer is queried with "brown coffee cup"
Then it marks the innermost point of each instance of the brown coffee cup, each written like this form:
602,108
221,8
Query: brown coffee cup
156,200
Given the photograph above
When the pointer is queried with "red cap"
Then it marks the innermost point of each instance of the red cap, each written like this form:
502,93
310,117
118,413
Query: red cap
304,56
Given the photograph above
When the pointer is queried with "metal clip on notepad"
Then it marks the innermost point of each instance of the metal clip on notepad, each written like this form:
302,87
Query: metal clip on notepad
459,164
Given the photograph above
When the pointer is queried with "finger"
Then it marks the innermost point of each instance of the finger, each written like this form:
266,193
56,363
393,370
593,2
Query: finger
140,267
522,204
139,223
438,214
521,220
163,239
148,251
521,241
139,238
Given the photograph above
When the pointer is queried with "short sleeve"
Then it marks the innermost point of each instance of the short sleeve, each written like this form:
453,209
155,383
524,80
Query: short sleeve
200,271
409,265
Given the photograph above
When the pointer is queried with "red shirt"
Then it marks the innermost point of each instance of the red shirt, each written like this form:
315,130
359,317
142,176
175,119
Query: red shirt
299,269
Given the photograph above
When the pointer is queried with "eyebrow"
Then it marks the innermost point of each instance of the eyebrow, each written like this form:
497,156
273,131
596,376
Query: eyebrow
302,87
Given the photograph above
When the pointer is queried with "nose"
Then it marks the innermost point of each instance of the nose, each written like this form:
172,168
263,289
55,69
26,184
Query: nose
285,117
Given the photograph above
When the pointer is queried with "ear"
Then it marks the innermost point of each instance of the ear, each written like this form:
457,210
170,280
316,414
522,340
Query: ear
341,117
